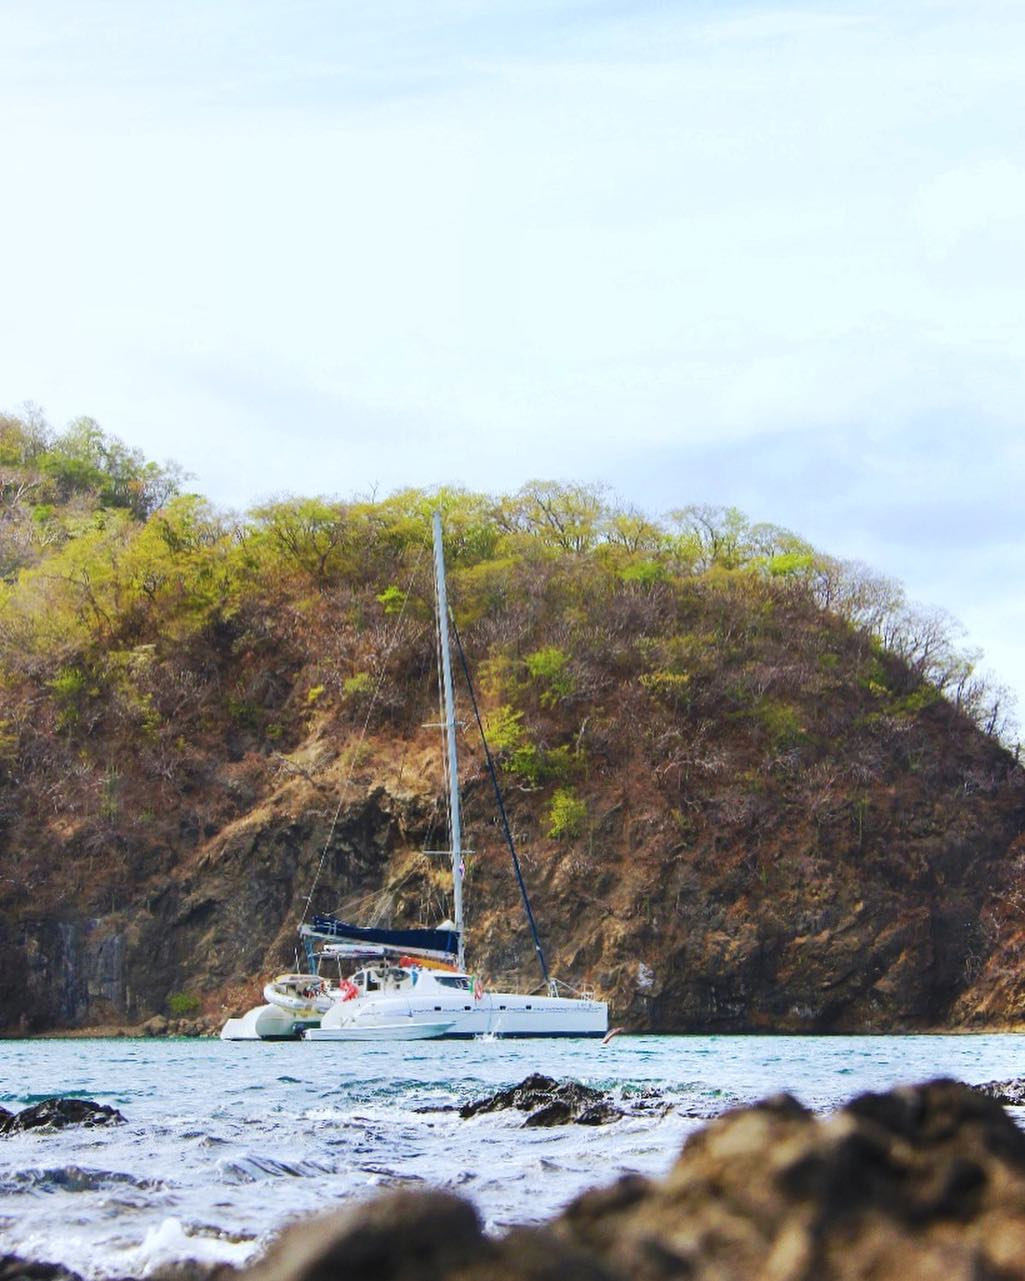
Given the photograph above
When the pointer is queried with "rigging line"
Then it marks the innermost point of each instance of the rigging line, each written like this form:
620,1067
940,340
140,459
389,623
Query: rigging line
363,733
501,806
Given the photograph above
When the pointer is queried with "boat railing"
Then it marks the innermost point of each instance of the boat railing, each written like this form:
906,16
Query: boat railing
515,986
585,992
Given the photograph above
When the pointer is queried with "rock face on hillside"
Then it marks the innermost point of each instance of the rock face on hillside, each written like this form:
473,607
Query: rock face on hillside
778,919
925,1183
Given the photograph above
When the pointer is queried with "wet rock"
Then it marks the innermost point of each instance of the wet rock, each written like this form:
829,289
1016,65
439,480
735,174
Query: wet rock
192,1270
57,1113
556,1112
600,1113
14,1268
419,1236
549,1102
1009,1093
5,1117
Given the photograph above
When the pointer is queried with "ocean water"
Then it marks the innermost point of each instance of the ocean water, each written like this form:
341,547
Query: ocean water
225,1142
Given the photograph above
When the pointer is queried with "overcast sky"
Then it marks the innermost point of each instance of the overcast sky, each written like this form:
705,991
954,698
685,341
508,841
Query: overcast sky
751,254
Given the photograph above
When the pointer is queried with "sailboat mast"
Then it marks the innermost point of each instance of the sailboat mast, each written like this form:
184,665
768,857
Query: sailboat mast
450,734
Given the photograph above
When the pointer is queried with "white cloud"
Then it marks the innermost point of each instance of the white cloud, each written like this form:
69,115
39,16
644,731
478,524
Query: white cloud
984,200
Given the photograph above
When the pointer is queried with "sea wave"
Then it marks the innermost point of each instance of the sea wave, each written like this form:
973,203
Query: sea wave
171,1242
255,1166
73,1178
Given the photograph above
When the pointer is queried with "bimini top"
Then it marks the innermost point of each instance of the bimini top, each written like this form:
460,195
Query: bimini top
440,943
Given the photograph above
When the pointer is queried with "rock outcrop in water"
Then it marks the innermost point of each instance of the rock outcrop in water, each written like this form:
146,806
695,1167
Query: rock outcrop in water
1009,1093
549,1102
56,1113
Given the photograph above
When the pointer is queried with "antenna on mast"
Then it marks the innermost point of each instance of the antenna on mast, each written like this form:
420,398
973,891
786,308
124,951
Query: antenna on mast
455,820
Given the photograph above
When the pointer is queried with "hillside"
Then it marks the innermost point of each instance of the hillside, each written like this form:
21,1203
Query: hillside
752,788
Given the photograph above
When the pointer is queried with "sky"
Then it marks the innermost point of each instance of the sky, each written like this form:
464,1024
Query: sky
764,255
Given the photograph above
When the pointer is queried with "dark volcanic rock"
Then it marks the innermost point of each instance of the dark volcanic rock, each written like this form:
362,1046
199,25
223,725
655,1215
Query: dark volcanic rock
13,1268
57,1113
549,1102
1010,1093
600,1113
5,1117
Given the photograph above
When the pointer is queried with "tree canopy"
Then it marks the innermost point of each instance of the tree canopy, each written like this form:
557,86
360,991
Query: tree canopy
99,548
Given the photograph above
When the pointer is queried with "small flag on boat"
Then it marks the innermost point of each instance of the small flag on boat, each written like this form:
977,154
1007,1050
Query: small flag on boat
478,989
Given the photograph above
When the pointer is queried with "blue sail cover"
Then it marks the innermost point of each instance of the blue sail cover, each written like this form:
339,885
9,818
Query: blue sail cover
443,942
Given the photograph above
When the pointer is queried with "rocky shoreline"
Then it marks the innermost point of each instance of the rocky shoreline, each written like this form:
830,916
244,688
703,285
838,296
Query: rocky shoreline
920,1182
157,1026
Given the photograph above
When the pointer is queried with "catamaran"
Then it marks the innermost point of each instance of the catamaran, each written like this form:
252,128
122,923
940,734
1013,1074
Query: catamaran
413,984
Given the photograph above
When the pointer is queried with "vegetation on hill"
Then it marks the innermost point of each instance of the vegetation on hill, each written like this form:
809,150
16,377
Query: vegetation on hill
670,700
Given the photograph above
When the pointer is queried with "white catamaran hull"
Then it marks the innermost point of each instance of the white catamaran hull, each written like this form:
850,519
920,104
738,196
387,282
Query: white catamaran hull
496,1014
266,1023
409,1030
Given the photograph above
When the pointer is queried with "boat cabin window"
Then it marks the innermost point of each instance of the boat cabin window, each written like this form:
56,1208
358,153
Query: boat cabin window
458,982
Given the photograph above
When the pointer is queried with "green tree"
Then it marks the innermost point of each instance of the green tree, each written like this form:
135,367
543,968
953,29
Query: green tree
566,815
307,533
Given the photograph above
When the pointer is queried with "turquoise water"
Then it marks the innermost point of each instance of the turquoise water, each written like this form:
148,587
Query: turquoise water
227,1141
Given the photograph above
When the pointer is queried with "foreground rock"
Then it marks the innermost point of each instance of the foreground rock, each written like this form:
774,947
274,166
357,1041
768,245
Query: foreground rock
549,1102
420,1236
14,1268
57,1113
925,1183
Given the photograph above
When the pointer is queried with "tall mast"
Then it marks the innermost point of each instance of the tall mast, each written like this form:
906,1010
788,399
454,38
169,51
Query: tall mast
450,734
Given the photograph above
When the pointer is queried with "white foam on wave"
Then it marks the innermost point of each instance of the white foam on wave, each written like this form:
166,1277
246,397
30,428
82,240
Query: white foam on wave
327,1114
172,1243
